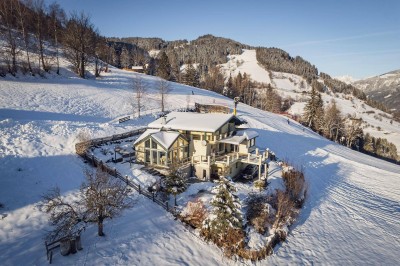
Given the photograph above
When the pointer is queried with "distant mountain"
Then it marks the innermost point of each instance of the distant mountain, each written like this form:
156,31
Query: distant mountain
384,88
346,79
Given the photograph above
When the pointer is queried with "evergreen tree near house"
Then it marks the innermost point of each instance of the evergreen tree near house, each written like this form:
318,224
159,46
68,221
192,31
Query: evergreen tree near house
224,225
229,87
175,183
164,67
190,76
314,111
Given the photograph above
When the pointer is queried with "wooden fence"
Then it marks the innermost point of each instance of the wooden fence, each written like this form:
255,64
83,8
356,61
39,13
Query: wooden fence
82,147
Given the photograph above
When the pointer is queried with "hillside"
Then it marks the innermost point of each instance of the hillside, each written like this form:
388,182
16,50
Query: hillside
384,88
376,122
350,216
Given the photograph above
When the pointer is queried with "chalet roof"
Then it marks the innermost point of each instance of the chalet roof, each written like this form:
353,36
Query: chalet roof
240,137
209,122
164,138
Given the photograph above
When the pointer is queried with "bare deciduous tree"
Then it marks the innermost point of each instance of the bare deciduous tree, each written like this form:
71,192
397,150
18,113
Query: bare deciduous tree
333,122
163,90
139,92
9,35
284,207
78,41
57,19
23,20
40,19
104,197
65,216
353,131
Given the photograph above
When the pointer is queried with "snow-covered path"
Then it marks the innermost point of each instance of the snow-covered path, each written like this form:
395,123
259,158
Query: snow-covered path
351,216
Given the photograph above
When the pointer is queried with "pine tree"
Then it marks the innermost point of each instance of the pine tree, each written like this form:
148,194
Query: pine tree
314,111
175,183
190,76
164,67
229,87
226,219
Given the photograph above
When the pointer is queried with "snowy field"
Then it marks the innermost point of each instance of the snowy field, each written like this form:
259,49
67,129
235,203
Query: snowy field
351,215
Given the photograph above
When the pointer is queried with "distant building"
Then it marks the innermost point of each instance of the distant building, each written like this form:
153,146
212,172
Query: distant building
210,142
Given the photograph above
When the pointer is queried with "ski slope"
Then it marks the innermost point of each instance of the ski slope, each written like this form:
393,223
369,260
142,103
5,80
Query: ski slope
351,215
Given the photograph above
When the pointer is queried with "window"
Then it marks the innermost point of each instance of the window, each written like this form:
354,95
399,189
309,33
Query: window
147,156
147,143
162,157
196,137
252,142
154,153
154,145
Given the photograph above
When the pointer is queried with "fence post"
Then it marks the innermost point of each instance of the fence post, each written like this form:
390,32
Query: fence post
166,204
153,196
126,179
139,190
47,250
115,172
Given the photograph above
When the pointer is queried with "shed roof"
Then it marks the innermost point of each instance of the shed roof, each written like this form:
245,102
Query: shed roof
240,137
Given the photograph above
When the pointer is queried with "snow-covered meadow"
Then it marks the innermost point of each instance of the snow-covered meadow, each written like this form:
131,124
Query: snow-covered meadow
351,215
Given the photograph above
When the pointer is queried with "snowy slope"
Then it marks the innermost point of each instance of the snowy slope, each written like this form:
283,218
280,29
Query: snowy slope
293,86
247,63
375,122
351,215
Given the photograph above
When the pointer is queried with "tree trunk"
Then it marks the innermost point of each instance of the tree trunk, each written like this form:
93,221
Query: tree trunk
100,227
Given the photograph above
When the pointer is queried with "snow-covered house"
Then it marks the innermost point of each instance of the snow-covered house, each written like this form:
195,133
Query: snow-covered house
210,142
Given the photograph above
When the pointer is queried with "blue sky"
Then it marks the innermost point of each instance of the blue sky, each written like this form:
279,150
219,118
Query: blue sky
353,37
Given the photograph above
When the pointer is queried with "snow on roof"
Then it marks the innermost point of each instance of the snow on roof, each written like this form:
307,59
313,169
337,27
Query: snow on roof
240,137
209,122
164,138
248,134
145,134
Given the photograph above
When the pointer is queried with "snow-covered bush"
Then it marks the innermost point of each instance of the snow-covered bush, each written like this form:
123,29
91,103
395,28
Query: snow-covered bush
260,184
284,206
295,185
194,213
259,212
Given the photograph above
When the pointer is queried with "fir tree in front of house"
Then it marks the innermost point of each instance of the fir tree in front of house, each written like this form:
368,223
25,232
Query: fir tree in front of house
224,225
175,184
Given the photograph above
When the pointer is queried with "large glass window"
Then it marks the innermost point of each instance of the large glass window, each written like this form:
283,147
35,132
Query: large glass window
147,143
154,144
154,154
162,157
147,156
